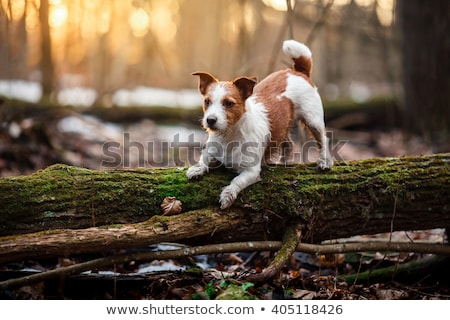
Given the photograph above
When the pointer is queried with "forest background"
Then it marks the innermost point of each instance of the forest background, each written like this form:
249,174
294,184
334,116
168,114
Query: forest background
78,77
383,53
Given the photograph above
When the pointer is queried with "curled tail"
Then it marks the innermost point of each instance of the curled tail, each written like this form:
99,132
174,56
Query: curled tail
300,54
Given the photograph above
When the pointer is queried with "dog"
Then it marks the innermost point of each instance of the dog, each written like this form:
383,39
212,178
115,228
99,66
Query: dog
248,123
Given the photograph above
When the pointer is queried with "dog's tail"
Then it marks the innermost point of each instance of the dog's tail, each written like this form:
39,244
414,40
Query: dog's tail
301,55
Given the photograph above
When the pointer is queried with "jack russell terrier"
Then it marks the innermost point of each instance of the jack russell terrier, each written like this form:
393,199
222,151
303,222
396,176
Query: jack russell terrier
249,123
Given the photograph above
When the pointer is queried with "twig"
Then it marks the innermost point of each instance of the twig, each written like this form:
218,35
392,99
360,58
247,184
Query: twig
287,26
123,258
291,240
276,48
408,269
430,248
290,18
248,246
421,292
319,22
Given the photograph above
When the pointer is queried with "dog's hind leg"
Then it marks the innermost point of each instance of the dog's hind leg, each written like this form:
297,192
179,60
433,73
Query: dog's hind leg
317,130
286,149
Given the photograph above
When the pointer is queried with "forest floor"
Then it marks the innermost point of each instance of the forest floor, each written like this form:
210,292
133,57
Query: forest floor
31,143
361,276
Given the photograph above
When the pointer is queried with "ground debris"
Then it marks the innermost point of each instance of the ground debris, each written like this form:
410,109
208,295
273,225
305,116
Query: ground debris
222,276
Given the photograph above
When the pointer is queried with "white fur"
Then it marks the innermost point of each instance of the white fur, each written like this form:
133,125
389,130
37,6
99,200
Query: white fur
294,49
243,144
306,99
216,109
308,108
241,148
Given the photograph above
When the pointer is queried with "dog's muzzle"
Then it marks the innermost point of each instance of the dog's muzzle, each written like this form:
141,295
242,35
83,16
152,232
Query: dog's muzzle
211,121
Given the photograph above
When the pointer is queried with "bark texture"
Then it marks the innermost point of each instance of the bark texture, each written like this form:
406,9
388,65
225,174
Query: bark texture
121,208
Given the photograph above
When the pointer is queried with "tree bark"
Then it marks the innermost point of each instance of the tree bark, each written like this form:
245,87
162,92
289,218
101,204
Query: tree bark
47,67
425,29
358,197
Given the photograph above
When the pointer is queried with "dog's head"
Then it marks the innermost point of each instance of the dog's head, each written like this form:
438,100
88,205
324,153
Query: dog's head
223,101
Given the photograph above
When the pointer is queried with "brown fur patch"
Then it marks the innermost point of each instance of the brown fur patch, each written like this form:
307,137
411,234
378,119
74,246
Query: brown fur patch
235,112
280,110
205,79
303,65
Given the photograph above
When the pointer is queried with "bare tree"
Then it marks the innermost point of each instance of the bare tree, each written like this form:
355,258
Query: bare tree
47,67
13,39
4,39
426,71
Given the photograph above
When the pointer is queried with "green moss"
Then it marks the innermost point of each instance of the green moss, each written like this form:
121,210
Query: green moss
194,271
235,292
64,193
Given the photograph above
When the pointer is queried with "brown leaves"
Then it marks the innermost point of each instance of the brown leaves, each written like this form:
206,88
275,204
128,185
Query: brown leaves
171,206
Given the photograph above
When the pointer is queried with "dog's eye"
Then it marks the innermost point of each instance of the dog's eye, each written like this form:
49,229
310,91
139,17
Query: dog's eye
228,103
207,102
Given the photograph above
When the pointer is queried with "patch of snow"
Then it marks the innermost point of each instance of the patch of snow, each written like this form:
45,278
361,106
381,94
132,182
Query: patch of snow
28,91
141,96
77,96
148,97
359,91
160,266
90,127
14,129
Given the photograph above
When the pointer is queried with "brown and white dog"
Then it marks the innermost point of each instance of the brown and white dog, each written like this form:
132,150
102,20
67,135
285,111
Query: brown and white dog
248,122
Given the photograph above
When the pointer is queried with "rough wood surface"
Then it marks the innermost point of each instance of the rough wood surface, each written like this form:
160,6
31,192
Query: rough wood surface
358,197
97,239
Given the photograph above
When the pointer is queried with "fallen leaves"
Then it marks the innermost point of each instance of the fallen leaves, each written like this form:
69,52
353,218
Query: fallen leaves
171,206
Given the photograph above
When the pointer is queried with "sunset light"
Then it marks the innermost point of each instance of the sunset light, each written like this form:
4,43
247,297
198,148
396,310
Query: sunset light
130,39
384,8
58,15
279,5
139,22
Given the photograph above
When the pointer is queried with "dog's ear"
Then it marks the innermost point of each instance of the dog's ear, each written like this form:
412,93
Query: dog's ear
204,81
245,86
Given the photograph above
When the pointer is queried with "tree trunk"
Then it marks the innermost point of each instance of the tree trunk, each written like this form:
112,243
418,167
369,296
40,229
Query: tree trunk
425,29
47,67
358,197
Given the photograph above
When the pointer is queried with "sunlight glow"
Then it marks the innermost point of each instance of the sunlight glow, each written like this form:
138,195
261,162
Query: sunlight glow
384,8
103,24
237,24
279,5
58,15
16,9
385,12
163,20
128,36
364,3
32,21
139,22
341,2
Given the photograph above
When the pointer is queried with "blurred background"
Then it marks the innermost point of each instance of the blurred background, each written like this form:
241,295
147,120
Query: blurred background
79,76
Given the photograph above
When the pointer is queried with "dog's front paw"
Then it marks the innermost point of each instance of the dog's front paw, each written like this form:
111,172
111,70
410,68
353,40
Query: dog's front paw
227,197
196,171
325,163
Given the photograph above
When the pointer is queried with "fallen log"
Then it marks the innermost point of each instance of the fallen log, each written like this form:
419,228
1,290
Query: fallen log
116,209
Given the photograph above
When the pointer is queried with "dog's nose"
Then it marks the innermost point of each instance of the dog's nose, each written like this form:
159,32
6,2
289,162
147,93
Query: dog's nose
211,121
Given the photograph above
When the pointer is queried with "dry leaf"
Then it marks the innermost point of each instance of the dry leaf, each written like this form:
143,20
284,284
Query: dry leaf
171,206
331,260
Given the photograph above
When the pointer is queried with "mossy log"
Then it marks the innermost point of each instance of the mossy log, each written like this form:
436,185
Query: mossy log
357,197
